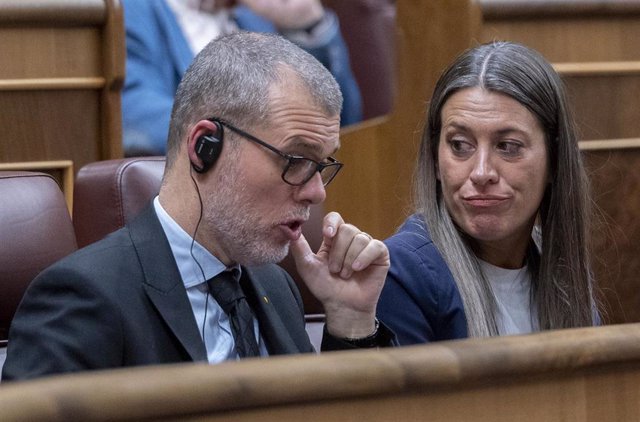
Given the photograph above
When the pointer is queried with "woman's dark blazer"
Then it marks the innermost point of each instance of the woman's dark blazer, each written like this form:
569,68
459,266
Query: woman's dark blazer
420,301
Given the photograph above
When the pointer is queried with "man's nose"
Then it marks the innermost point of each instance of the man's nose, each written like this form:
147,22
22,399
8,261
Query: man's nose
313,191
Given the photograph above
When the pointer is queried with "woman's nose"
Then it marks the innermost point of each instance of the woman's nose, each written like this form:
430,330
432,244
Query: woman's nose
483,171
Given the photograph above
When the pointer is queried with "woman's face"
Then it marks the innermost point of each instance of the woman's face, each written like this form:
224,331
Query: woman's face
493,168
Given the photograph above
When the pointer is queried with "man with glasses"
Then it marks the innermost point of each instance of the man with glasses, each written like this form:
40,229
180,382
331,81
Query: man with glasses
254,126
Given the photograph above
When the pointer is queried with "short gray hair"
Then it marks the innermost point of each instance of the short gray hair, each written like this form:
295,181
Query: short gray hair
230,79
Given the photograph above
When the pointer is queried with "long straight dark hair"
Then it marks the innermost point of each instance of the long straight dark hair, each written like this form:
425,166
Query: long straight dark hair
562,280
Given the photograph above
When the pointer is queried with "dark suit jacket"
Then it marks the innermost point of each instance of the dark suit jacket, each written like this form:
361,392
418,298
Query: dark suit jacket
121,302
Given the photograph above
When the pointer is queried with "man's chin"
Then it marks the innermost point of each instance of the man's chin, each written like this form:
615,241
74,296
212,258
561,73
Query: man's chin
272,255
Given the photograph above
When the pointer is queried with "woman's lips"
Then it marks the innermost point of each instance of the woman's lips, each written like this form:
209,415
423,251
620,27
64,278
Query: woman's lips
485,201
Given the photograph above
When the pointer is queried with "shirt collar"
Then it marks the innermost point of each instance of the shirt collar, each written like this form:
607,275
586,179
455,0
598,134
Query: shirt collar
195,263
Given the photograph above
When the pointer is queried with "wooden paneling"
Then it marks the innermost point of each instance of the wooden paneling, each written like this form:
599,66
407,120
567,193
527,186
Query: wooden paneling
60,12
60,80
50,52
589,374
583,39
42,126
566,30
616,231
606,104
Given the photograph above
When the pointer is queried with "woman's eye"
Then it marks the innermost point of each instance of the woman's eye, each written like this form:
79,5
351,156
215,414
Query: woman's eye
510,148
459,146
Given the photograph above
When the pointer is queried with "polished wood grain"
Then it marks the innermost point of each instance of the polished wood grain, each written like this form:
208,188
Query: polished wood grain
51,84
609,144
605,104
613,68
583,39
64,12
48,125
114,58
564,30
60,80
615,183
49,52
526,9
569,375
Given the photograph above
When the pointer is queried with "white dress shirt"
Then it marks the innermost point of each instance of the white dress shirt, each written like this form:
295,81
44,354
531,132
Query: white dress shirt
197,265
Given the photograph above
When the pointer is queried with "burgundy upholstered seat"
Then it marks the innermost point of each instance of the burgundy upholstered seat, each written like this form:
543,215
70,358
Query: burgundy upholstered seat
35,231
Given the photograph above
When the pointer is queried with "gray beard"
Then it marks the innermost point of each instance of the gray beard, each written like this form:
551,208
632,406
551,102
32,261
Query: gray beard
234,223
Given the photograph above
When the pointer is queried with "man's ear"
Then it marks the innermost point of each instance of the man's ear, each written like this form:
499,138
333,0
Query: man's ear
204,145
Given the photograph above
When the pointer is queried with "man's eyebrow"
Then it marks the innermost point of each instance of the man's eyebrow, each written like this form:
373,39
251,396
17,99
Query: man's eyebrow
312,147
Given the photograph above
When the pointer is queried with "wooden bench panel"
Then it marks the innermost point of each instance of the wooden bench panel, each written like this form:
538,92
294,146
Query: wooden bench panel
566,30
61,80
606,105
589,374
56,129
571,40
616,232
50,52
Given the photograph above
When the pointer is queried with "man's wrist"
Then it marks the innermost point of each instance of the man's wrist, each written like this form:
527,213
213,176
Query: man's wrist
365,342
343,322
383,337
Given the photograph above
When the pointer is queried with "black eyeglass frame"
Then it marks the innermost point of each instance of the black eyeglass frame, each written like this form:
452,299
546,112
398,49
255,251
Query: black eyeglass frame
291,159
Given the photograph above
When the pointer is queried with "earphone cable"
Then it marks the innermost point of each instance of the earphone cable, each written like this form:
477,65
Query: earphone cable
193,240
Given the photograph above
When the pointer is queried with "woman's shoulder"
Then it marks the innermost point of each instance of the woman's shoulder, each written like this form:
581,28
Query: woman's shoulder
412,235
420,299
412,251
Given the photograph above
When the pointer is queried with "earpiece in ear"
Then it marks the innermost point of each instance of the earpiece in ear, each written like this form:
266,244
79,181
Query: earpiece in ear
208,149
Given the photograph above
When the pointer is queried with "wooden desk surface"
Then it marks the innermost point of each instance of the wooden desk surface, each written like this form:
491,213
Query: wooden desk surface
580,374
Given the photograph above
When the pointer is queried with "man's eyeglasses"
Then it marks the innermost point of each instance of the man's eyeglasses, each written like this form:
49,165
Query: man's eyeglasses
299,170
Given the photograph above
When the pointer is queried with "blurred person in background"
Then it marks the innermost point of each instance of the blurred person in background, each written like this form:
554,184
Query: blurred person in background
163,36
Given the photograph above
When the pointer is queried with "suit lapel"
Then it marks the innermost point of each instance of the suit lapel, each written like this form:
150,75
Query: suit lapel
163,283
272,328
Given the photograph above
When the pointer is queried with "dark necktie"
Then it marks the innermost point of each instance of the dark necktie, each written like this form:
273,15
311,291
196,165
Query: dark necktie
226,290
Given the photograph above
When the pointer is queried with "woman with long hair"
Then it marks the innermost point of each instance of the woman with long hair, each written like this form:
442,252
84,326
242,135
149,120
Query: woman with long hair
499,241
